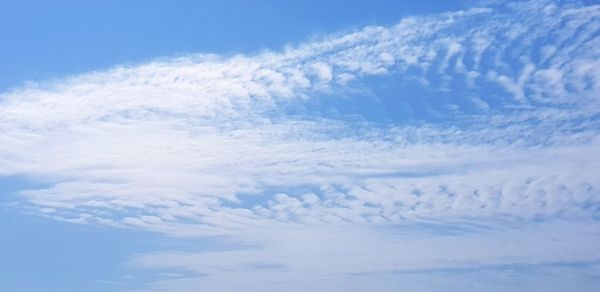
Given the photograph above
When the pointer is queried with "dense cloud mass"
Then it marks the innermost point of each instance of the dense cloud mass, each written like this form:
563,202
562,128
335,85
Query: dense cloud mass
206,145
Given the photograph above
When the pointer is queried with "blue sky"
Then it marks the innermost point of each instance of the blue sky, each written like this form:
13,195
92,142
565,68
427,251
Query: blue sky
270,146
43,40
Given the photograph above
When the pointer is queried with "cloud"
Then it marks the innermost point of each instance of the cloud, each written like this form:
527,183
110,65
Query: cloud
203,145
339,259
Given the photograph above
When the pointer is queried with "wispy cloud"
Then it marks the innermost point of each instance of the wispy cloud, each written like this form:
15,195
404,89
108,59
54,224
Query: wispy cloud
338,259
201,145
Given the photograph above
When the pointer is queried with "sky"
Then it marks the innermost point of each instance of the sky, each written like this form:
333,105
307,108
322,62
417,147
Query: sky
300,146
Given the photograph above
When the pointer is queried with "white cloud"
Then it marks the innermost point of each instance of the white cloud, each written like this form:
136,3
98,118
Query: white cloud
195,130
336,259
202,145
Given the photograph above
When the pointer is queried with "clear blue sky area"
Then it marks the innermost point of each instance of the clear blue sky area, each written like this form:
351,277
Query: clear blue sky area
45,39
